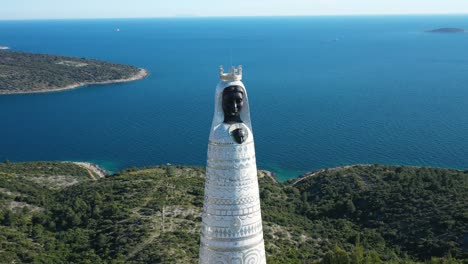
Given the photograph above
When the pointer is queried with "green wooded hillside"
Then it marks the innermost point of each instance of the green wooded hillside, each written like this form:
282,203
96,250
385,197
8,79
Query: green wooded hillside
28,72
357,214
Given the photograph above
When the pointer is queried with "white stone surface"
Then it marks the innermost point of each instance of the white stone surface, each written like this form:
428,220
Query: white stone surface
232,230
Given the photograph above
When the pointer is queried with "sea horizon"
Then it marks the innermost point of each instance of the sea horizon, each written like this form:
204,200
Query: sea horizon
382,15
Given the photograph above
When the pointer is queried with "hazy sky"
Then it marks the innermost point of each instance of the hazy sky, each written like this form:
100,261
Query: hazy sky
43,9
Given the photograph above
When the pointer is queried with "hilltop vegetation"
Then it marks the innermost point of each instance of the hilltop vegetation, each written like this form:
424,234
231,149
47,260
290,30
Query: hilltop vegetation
357,214
22,72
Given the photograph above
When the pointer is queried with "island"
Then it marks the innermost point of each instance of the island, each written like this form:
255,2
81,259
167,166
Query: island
22,72
73,212
446,30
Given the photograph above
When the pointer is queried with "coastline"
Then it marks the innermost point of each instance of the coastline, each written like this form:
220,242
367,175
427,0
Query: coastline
143,73
310,174
91,167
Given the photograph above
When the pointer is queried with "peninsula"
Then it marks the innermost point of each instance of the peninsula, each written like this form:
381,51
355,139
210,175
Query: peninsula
446,30
22,72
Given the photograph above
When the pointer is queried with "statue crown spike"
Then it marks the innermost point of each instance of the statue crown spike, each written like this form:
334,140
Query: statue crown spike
235,74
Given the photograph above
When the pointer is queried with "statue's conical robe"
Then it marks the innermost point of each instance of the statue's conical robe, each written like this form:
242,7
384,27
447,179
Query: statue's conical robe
231,222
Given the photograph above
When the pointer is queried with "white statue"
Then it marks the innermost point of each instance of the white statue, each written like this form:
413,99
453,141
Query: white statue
231,222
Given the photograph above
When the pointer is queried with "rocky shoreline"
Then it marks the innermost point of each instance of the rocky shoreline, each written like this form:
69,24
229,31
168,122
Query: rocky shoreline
143,73
93,168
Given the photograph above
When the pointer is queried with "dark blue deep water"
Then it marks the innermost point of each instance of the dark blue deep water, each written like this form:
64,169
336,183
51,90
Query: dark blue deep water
324,91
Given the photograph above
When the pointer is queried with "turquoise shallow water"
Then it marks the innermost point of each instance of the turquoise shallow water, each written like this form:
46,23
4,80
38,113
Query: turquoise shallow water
324,91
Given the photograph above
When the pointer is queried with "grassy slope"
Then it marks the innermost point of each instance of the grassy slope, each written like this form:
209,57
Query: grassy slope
152,215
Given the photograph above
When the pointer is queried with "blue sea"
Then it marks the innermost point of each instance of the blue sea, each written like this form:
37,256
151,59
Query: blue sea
323,91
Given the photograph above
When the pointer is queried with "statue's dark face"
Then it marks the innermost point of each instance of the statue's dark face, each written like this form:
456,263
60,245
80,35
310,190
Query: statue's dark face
233,101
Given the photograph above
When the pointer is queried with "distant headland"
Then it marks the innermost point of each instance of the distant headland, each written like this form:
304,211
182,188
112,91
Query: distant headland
446,30
37,73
